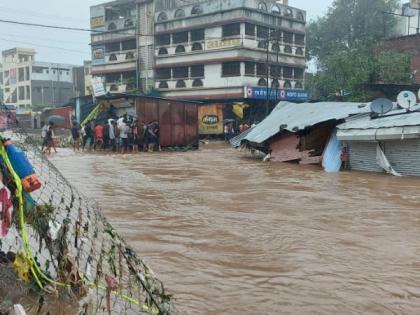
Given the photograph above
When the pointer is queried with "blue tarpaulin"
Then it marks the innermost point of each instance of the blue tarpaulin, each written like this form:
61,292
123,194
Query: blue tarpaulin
331,161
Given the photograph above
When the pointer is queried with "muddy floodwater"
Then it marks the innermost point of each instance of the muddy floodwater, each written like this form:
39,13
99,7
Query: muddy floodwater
228,234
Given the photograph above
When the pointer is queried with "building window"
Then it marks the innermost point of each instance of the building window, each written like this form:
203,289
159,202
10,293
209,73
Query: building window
197,35
299,51
37,69
21,74
129,44
27,74
262,82
275,9
179,13
28,92
288,38
249,29
162,51
288,49
163,74
287,84
300,16
262,6
197,46
129,56
230,69
21,93
197,83
112,47
262,44
262,32
128,23
275,84
112,26
249,68
180,73
299,39
168,4
275,47
163,85
179,38
196,10
298,73
179,49
113,57
164,39
289,12
180,84
287,72
275,71
197,71
114,88
231,30
261,69
298,85
162,17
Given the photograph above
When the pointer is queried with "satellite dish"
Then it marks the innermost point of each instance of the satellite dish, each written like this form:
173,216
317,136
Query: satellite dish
381,106
406,99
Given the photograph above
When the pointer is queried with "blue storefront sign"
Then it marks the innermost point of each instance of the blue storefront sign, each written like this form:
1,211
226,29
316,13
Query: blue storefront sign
260,93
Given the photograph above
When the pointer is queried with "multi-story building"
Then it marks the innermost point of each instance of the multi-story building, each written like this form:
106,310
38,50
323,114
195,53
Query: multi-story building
229,50
31,84
122,44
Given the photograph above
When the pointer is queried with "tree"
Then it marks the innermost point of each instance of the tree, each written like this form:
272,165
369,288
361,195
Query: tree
350,23
344,46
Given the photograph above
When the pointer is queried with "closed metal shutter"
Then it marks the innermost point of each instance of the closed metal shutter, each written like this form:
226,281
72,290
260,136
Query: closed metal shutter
404,156
362,156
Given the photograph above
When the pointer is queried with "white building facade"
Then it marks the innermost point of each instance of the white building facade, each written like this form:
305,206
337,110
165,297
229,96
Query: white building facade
28,83
121,56
215,50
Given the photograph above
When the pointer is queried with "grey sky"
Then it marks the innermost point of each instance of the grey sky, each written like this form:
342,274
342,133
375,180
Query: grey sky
70,46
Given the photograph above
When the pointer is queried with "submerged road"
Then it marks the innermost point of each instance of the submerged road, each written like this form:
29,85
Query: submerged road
231,235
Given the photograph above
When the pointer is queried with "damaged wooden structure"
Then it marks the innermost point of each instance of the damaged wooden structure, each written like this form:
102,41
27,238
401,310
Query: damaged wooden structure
300,133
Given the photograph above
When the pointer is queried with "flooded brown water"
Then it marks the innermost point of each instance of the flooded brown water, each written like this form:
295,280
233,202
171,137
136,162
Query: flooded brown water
232,235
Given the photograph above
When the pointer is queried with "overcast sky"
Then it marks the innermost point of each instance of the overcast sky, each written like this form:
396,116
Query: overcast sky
70,46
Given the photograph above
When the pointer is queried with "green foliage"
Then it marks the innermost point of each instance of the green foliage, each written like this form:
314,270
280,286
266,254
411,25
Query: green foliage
344,45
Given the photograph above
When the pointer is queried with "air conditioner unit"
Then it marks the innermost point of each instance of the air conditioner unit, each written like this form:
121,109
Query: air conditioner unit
415,4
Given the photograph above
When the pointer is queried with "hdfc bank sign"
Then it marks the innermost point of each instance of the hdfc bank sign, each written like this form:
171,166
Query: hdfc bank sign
262,93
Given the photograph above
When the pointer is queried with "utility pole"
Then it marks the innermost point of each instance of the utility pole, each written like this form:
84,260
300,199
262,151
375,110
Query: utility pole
267,68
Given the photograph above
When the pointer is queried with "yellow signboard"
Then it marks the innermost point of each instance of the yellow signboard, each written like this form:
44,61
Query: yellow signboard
210,119
97,21
215,44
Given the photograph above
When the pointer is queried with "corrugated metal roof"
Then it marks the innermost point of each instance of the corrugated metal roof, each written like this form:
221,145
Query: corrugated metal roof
396,118
236,141
294,117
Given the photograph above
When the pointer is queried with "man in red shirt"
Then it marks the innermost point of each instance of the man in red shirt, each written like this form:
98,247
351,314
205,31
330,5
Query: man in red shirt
99,136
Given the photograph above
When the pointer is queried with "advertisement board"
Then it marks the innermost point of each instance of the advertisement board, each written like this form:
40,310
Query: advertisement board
98,86
216,44
210,119
260,93
98,55
97,21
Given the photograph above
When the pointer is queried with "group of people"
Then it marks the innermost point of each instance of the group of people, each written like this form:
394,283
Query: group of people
230,132
122,135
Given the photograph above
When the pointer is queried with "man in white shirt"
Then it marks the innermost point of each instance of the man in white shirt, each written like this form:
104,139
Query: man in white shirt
44,131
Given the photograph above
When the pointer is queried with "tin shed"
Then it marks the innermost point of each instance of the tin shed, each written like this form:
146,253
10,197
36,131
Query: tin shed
177,119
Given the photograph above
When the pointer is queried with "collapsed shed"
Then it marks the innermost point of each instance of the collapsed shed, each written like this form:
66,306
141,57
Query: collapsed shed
390,142
300,132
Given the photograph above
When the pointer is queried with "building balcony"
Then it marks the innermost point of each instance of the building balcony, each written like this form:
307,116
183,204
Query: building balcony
112,36
239,14
121,56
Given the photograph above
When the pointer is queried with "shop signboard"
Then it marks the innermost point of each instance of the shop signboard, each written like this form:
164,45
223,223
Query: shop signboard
210,119
98,21
260,93
224,43
98,86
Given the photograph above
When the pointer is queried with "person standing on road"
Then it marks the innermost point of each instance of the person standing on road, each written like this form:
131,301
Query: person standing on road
75,134
124,129
44,131
87,139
